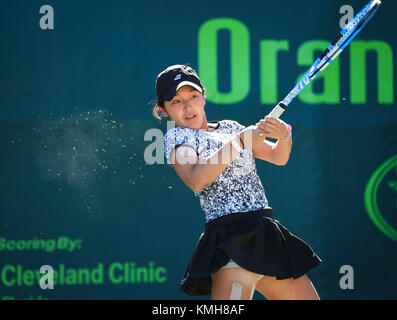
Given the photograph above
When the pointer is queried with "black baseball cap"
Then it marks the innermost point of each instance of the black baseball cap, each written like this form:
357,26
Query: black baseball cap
170,80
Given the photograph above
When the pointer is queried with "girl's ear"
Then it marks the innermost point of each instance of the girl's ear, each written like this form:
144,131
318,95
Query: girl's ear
163,111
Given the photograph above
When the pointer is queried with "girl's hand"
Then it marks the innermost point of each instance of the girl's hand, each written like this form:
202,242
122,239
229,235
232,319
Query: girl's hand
251,136
273,128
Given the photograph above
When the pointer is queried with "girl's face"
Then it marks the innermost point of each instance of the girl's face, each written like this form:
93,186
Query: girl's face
187,109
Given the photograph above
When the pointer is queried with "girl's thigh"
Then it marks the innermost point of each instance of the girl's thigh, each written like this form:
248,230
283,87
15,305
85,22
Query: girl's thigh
288,289
233,283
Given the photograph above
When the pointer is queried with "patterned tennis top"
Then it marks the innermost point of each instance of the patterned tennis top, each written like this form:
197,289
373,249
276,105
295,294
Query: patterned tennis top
238,188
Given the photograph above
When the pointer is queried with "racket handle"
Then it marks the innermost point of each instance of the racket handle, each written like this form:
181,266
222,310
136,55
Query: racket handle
277,110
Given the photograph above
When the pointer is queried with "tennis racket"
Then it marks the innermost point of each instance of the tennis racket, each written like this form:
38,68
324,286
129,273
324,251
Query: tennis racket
345,36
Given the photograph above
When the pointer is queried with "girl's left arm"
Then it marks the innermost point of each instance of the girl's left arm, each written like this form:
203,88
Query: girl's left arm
274,152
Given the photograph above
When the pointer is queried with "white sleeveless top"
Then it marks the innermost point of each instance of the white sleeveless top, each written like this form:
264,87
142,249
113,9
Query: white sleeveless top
238,188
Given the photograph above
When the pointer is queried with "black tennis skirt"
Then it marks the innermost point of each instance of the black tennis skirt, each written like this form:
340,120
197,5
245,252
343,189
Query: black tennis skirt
255,241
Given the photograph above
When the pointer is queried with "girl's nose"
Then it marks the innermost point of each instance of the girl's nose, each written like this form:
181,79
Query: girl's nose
187,104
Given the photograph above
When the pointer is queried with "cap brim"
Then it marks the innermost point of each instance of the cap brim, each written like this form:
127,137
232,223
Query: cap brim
189,83
172,91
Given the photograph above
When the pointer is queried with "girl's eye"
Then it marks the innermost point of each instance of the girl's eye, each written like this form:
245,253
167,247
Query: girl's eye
175,101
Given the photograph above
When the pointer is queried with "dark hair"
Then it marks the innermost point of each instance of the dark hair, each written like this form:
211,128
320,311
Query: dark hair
155,111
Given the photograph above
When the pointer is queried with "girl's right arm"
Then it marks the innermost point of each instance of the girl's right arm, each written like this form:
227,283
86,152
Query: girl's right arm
198,174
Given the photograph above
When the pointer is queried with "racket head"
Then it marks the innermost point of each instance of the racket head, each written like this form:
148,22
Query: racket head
348,33
345,36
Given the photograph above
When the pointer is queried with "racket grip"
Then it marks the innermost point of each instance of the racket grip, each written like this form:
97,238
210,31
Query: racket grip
277,111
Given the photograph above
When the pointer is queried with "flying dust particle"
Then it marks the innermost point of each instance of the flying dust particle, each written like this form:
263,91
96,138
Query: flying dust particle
87,152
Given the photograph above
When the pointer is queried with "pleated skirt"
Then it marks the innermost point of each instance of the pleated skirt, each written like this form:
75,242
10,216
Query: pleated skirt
255,241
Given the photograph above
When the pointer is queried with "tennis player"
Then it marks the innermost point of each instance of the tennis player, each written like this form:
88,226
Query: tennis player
243,247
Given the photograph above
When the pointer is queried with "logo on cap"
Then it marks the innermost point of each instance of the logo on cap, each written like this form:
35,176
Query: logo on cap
177,77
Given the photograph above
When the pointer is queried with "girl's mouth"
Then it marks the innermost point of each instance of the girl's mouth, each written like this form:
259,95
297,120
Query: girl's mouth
191,117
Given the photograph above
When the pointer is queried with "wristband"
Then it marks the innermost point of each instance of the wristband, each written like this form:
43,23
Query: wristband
289,134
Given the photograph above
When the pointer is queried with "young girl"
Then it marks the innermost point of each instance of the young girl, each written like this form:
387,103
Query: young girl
243,247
